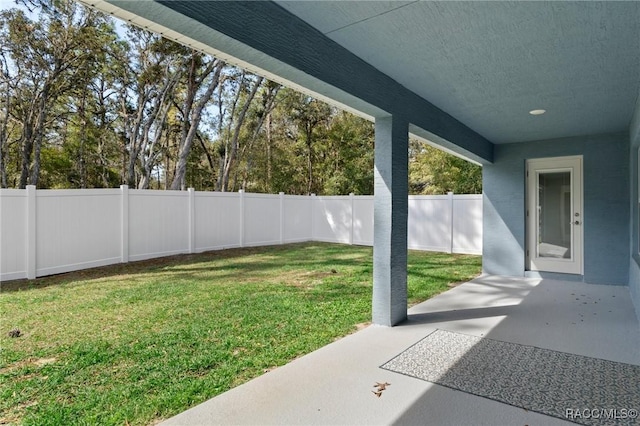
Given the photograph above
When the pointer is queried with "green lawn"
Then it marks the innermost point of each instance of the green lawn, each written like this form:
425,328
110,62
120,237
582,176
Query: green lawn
137,343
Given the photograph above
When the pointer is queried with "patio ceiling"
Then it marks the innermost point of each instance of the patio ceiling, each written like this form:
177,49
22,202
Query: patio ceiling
489,63
464,74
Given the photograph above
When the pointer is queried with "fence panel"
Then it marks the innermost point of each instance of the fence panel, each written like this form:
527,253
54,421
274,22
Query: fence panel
363,220
217,220
297,222
429,223
467,224
76,229
13,234
332,219
158,223
53,231
261,219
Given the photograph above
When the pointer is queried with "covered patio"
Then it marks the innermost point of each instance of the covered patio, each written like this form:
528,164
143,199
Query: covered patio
545,96
334,384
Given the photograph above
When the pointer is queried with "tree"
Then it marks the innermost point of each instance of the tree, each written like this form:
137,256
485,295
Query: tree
203,72
87,117
243,89
46,57
5,99
347,155
145,97
309,116
278,158
260,112
433,171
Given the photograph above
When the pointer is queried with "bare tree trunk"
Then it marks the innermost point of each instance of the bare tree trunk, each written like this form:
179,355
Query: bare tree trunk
83,139
206,152
193,120
3,168
140,143
167,166
4,137
102,114
268,102
123,164
224,157
27,149
32,136
133,147
309,142
269,160
35,172
150,155
236,134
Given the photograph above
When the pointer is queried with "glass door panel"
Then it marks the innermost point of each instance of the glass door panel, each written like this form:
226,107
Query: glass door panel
554,215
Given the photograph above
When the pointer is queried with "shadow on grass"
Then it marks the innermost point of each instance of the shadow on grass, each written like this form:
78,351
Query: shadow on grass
300,263
322,256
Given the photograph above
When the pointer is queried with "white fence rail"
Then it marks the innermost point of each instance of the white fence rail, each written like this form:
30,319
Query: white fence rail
47,232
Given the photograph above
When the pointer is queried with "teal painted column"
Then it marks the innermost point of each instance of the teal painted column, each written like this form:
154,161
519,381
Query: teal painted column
390,209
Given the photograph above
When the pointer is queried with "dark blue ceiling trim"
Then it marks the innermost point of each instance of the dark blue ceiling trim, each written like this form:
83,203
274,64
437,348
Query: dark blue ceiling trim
265,26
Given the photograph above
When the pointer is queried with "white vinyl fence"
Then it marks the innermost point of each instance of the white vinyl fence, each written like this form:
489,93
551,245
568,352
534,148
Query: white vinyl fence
47,232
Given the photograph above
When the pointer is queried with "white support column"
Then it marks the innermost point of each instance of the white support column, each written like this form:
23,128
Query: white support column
282,221
124,221
31,232
192,219
391,206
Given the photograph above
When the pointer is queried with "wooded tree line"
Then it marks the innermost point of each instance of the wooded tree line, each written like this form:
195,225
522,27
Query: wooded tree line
88,103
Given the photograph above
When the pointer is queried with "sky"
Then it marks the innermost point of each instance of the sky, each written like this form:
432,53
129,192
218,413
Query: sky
11,4
7,4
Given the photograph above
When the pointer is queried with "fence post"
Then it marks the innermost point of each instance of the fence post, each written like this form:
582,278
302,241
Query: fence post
282,221
351,200
124,222
241,195
31,232
450,197
192,219
313,216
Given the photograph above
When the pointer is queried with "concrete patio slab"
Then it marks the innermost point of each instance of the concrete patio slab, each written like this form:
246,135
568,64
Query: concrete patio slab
334,384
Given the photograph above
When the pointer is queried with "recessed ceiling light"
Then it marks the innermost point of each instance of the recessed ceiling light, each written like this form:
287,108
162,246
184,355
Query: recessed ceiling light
537,111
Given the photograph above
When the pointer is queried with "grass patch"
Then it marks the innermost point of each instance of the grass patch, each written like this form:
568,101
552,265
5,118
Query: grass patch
137,343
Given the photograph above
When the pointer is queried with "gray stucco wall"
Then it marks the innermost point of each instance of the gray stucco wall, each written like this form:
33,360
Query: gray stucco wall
606,206
634,264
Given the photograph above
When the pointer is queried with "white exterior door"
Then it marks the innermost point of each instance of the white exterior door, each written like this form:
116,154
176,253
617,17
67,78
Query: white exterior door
554,215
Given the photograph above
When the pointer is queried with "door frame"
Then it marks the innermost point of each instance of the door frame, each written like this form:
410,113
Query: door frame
575,264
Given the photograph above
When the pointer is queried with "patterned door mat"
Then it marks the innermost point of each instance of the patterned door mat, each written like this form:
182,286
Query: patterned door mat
576,388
